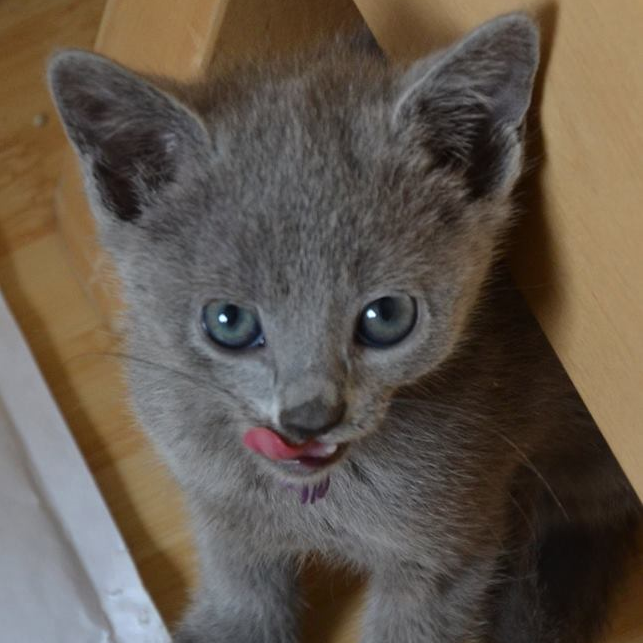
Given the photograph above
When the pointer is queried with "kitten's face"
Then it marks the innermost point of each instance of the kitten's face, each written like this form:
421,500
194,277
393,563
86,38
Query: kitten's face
311,254
306,247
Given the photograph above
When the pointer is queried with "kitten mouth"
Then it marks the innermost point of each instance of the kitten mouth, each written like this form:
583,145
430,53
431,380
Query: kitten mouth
300,459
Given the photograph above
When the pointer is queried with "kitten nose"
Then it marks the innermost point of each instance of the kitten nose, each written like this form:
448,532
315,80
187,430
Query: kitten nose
312,419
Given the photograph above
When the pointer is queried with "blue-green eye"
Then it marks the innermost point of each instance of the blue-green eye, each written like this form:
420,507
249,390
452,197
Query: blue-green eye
387,321
232,326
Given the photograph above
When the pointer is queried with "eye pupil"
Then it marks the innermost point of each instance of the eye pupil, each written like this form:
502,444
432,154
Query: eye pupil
387,308
231,326
387,321
229,315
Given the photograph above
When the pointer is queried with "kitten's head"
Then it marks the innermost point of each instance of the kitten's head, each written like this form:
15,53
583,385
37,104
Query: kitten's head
298,241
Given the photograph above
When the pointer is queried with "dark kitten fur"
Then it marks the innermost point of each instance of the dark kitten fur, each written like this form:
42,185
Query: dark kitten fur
474,487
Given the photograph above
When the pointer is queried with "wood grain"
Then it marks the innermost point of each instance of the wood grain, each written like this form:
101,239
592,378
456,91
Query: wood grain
161,36
253,28
74,348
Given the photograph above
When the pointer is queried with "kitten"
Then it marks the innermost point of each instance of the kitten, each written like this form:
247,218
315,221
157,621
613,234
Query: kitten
327,352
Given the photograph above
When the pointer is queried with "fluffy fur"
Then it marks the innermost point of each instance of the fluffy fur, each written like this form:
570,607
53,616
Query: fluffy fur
476,490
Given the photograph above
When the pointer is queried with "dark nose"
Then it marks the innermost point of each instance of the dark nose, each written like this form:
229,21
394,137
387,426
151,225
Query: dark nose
312,419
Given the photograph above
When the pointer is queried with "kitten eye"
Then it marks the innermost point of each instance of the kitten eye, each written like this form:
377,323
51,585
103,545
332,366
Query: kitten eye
387,321
232,326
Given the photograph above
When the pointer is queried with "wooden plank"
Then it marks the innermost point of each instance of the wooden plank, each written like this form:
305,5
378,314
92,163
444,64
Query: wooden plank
256,28
578,259
169,37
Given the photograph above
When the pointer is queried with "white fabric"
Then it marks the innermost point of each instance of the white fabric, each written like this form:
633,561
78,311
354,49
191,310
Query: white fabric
65,573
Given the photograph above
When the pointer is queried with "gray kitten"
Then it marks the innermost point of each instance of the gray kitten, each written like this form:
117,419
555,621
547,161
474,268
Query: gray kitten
326,351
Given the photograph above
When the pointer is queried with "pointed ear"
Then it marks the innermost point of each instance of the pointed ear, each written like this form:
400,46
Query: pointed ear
466,106
130,136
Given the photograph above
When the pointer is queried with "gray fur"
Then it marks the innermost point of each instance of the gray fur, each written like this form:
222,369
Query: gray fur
307,188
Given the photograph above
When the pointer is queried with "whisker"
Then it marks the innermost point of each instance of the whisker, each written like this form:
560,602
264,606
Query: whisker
139,360
207,385
457,414
534,469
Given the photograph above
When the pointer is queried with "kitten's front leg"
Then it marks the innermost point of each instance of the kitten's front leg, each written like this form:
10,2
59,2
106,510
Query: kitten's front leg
410,604
242,598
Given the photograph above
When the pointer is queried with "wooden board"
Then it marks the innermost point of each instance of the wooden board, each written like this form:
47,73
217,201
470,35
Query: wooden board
578,260
273,27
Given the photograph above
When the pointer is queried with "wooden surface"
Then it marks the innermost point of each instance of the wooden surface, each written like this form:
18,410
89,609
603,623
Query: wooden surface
72,345
579,260
255,27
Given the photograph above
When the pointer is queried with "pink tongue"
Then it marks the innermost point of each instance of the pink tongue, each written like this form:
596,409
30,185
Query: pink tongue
267,443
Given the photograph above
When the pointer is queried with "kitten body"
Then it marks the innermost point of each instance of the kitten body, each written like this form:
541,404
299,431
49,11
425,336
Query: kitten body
473,486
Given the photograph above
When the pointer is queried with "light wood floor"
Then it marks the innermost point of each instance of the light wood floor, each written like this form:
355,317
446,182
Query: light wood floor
72,346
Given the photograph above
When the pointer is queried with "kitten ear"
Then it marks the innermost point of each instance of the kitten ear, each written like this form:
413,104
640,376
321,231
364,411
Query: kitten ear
129,135
467,104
